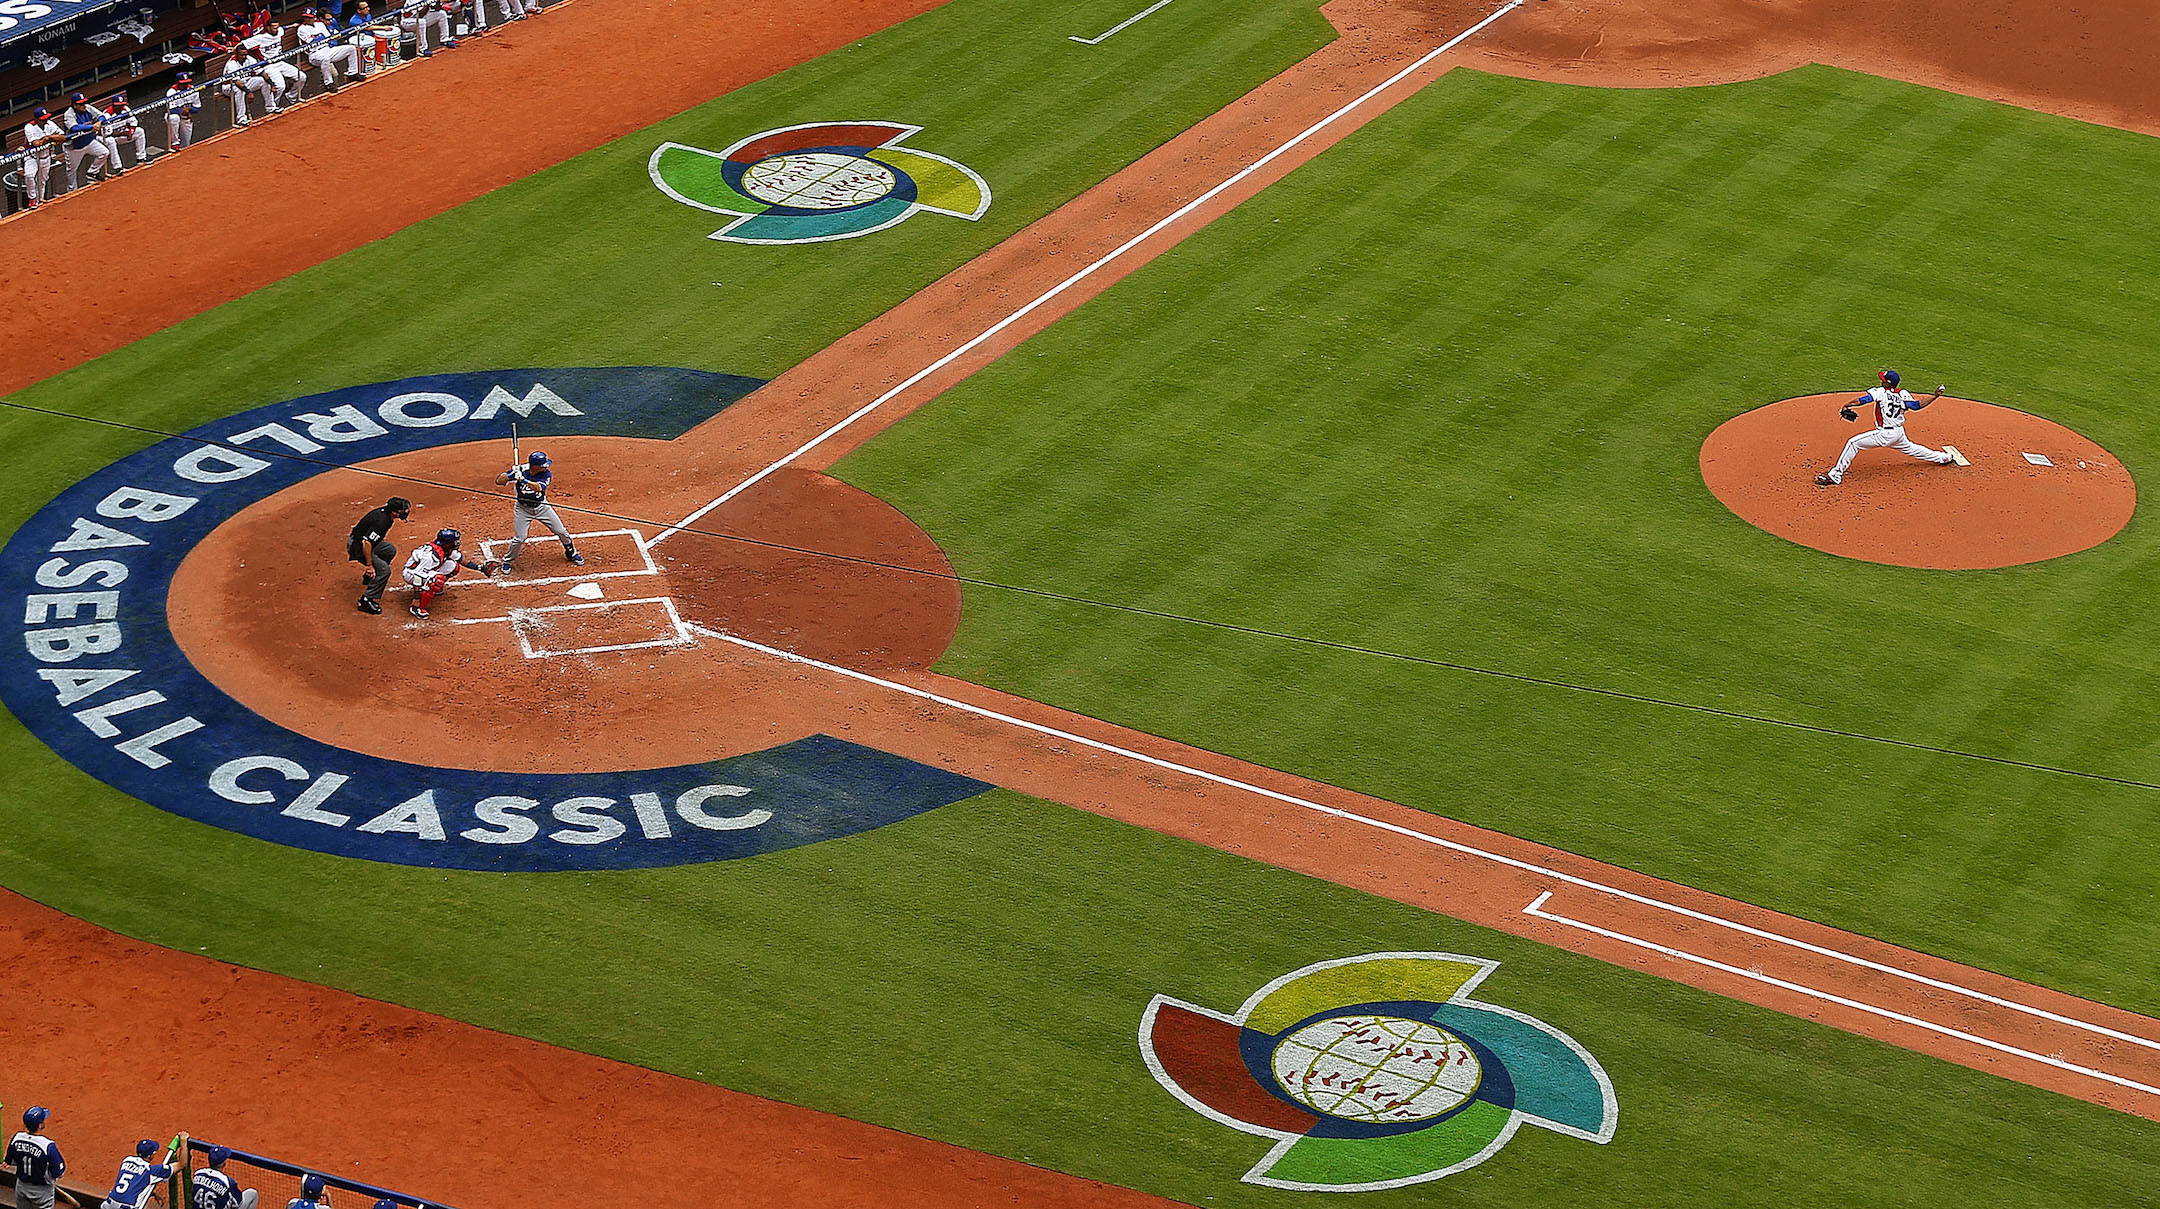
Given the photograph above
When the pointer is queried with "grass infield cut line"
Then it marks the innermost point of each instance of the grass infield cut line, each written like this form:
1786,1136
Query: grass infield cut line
990,332
1483,854
1534,911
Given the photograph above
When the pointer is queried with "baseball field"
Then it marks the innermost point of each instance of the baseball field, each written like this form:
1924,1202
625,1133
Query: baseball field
1079,532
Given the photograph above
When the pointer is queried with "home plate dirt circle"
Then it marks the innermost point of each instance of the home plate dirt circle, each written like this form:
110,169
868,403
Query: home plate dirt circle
600,668
2003,510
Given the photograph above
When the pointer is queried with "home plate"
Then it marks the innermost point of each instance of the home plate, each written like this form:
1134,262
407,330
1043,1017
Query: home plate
587,591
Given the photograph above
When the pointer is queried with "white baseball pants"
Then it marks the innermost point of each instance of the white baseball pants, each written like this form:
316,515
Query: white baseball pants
343,53
1892,438
135,135
179,129
37,167
94,153
435,19
286,80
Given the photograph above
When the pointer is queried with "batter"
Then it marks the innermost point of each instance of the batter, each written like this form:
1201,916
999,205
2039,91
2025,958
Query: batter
533,480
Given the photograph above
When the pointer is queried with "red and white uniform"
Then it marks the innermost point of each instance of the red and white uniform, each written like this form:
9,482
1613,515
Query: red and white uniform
182,102
1889,432
418,19
120,124
429,568
326,52
268,43
43,140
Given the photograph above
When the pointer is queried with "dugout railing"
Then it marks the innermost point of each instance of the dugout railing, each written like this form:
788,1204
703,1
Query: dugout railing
277,1181
385,43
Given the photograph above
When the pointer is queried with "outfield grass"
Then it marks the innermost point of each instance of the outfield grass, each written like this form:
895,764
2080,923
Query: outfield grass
1440,393
977,974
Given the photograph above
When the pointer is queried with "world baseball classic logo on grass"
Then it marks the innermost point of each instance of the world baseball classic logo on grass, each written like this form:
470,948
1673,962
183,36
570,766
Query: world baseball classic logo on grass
1376,1071
95,669
818,182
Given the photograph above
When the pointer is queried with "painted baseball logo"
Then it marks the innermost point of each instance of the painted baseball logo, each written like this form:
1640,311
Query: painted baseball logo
1376,1072
817,182
98,675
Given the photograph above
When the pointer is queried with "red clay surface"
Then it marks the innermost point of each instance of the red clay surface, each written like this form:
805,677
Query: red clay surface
123,1039
1998,512
308,661
2086,62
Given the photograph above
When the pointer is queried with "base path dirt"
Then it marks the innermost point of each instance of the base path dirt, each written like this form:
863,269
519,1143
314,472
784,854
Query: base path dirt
2001,510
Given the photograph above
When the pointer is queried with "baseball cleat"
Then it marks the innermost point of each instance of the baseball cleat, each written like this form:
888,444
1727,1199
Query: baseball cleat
1824,480
417,611
369,606
576,559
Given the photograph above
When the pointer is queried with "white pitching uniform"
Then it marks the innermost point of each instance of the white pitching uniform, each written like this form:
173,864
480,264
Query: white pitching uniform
1889,432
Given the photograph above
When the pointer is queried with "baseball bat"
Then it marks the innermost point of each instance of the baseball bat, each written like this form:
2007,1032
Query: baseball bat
514,460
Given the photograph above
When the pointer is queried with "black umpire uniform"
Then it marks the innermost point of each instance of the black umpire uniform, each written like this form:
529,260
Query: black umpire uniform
370,546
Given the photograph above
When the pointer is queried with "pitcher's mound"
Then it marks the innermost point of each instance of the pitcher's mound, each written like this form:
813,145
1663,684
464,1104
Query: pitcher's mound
2002,510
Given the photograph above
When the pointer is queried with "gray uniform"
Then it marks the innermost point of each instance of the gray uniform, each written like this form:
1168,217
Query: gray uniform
38,1166
532,483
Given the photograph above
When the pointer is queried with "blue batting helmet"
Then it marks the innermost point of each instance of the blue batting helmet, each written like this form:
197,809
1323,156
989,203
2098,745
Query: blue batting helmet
145,1148
218,1155
1890,378
538,458
311,1186
33,1118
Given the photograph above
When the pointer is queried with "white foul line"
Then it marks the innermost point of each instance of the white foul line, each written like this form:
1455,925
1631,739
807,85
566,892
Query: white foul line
1455,846
1148,11
2045,1059
991,331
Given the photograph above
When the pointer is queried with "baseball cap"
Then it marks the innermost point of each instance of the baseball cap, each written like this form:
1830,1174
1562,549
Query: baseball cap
41,112
183,77
76,98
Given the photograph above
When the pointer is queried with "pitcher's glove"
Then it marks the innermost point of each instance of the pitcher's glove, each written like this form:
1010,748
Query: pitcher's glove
1847,413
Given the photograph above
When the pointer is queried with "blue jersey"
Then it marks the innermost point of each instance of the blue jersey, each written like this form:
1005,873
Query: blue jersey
532,485
136,1180
35,1158
82,134
215,1190
301,1202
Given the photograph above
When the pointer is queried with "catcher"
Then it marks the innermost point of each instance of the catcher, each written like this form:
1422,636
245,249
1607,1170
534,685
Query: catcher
430,567
1890,404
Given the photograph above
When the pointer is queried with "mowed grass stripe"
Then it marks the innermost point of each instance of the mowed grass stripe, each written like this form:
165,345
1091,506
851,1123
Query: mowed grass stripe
1441,392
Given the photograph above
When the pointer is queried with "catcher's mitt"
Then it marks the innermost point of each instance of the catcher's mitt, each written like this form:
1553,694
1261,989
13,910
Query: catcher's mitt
1847,413
490,567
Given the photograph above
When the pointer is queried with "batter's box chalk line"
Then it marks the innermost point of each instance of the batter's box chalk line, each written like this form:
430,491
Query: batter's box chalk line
529,624
488,548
